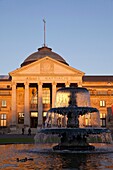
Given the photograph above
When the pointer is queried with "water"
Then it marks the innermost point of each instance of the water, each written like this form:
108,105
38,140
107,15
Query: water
46,159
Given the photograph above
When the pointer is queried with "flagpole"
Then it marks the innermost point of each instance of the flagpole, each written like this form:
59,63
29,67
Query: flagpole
44,32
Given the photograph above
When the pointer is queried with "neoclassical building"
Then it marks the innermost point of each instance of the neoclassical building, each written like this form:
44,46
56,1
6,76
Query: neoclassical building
27,93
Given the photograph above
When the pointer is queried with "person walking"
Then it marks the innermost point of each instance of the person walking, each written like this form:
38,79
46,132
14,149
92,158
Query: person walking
22,131
29,131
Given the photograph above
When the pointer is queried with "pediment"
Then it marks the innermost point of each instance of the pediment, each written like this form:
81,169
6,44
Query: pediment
46,66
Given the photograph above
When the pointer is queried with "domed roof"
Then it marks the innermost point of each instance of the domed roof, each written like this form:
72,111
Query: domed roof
41,53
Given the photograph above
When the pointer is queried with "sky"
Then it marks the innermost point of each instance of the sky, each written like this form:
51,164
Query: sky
81,31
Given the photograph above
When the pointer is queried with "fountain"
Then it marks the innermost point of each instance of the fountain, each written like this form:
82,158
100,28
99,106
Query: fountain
73,122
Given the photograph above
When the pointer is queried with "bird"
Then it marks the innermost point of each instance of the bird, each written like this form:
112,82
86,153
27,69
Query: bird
21,160
24,159
30,159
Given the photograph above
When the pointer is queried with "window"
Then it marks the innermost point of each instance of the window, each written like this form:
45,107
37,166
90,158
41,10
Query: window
102,119
46,96
3,120
102,103
34,99
8,86
21,118
34,119
44,114
88,119
44,118
73,85
4,104
34,114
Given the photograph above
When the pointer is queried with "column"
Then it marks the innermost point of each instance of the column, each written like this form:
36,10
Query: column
53,94
67,84
14,112
79,84
40,108
26,106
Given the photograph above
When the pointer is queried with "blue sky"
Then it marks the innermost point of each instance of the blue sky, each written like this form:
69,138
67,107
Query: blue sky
81,31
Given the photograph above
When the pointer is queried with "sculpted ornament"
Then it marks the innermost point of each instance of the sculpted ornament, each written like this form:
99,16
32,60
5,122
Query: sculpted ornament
46,67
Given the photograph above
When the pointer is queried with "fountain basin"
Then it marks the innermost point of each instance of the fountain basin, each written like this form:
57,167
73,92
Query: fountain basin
74,131
78,122
78,110
53,135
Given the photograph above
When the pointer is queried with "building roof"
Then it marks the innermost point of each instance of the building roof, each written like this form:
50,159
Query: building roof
97,78
41,53
4,77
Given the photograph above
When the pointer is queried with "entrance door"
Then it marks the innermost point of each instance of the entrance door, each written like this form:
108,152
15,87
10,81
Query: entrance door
34,119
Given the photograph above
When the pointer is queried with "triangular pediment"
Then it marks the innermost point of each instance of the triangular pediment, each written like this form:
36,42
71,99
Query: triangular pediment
46,66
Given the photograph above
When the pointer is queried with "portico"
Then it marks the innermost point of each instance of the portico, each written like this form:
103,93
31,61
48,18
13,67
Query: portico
34,88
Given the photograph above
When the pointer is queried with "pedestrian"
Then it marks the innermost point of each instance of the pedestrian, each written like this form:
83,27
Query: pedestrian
22,131
29,131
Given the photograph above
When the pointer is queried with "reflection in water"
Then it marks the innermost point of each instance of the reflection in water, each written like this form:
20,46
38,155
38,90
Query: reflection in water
45,159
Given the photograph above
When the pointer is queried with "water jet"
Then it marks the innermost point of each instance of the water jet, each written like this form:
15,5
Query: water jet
73,122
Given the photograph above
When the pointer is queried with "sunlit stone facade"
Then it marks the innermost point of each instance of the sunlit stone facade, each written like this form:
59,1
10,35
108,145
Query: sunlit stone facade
29,91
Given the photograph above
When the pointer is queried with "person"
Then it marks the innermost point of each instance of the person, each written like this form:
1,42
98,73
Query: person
22,131
29,131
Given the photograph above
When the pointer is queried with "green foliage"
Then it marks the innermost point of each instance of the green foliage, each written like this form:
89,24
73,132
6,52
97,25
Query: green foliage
16,140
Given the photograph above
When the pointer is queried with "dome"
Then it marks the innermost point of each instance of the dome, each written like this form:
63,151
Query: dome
41,53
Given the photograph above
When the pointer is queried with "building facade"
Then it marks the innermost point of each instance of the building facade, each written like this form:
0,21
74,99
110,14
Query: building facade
27,93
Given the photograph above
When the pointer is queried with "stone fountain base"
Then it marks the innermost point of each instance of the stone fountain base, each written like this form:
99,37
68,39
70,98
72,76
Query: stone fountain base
74,148
73,142
73,139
